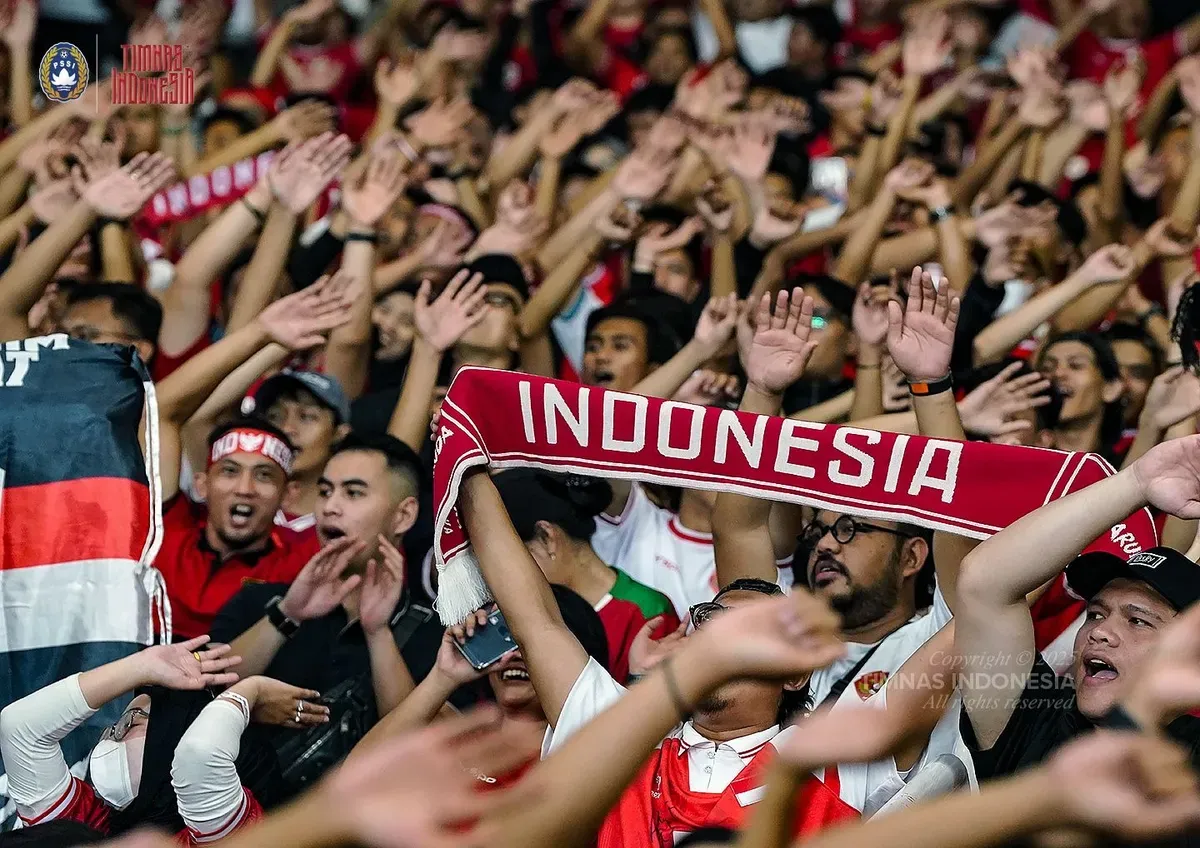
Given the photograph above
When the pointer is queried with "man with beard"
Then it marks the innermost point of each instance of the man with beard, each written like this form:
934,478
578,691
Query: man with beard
867,570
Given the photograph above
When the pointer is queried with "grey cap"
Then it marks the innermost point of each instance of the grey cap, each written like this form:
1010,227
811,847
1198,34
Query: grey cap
323,387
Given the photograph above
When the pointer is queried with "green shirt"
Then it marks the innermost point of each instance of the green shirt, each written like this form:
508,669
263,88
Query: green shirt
651,602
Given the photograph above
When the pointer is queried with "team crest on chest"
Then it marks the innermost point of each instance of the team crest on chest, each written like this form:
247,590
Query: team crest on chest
870,683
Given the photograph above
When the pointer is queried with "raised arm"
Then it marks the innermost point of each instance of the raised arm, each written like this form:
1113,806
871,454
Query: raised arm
551,652
713,332
741,532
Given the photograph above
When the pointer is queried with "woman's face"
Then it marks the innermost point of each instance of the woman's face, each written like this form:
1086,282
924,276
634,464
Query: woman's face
392,317
669,59
1071,367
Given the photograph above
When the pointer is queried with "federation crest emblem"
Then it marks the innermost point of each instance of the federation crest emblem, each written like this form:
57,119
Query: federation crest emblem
63,73
870,683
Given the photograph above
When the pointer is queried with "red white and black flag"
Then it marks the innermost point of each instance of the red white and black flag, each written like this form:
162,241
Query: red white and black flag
80,518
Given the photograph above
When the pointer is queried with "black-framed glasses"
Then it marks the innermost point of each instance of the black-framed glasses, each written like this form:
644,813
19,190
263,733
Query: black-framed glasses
705,612
124,724
844,530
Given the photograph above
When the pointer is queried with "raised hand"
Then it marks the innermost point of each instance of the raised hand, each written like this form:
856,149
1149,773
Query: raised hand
921,334
1088,106
1169,476
397,81
908,175
750,152
990,409
618,226
376,193
716,325
708,388
643,174
450,662
304,319
1173,396
18,25
1123,83
646,652
53,200
926,45
660,238
667,135
283,705
886,93
97,159
122,193
774,639
300,173
869,318
1188,72
715,207
441,123
153,30
319,588
1042,105
190,665
771,226
1164,243
781,346
444,246
997,225
381,588
305,120
457,309
1108,264
896,396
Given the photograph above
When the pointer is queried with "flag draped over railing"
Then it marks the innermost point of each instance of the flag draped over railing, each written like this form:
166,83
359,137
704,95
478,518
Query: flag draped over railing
80,517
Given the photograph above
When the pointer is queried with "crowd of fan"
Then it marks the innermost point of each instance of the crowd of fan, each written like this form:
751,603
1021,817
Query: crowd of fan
967,219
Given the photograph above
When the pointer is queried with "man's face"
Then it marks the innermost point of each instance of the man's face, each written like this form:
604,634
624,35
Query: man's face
243,491
220,134
497,332
358,497
309,424
1137,372
616,355
847,104
394,228
805,52
1071,367
832,338
393,318
668,60
1122,626
94,321
141,126
674,274
862,578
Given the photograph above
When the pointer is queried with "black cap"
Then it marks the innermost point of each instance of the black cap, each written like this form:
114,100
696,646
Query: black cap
503,269
1165,570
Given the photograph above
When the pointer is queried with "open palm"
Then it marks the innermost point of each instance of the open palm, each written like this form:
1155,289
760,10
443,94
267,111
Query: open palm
120,194
1169,474
781,347
319,586
189,665
921,335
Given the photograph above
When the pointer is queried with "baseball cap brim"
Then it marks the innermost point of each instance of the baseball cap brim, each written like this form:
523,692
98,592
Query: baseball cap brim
278,384
1091,572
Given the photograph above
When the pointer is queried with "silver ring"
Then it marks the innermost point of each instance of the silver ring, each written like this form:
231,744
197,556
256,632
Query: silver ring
299,707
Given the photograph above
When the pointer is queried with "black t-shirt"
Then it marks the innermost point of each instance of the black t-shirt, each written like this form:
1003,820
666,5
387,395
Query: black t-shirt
327,651
1045,719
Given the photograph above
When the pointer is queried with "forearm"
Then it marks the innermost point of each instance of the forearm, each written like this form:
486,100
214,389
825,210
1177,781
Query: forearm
741,524
557,288
576,229
111,680
802,244
243,147
1003,334
1072,29
391,274
410,419
43,124
13,190
257,647
1186,210
1031,159
834,409
182,393
1112,177
546,202
890,422
897,130
934,104
20,87
771,822
1062,144
904,251
953,252
723,275
415,711
13,225
115,259
976,174
268,60
664,381
587,29
261,279
517,156
855,258
390,677
862,184
715,11
868,383
1157,107
348,353
25,280
208,790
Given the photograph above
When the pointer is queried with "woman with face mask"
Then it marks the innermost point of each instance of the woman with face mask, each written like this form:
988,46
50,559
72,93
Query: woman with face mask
125,775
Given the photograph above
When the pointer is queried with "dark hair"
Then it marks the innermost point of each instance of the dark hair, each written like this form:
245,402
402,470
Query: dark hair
791,161
61,833
1112,422
661,343
401,459
570,502
646,44
245,123
131,304
821,21
1070,220
501,268
249,422
1185,330
839,295
1131,333
650,98
583,622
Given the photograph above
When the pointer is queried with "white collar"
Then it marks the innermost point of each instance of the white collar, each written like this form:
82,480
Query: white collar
744,746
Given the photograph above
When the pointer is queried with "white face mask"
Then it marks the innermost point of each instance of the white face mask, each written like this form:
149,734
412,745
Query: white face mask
110,774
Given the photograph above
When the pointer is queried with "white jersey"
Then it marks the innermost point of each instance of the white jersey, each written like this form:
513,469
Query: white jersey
650,545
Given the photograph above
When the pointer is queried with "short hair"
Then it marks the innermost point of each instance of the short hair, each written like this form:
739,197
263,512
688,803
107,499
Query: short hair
651,98
245,123
248,422
1131,333
661,343
402,461
1070,220
821,21
133,306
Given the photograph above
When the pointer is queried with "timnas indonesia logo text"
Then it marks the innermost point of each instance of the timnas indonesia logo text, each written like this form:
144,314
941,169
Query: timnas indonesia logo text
153,74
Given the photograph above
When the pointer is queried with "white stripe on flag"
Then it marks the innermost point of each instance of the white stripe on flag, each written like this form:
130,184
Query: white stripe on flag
751,796
98,600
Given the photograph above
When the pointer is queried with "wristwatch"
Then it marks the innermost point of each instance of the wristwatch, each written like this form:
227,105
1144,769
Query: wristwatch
287,627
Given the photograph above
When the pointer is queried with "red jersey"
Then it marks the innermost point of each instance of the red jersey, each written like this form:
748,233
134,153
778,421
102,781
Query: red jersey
1090,57
80,803
340,59
659,805
199,583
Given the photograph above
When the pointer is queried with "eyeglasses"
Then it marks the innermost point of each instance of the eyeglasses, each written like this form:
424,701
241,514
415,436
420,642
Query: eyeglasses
87,333
124,724
705,612
844,530
501,300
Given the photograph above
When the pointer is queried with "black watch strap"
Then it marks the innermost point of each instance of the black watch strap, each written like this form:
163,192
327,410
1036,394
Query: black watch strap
287,627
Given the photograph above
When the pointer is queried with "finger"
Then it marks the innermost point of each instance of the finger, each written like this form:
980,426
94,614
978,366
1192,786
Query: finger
195,644
1008,371
348,585
1011,428
915,292
779,316
952,311
793,314
214,652
895,314
225,679
648,628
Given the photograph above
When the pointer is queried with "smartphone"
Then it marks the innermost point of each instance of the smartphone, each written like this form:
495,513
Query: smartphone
490,642
830,177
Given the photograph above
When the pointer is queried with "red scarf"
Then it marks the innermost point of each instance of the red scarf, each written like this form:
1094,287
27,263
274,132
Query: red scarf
503,419
659,803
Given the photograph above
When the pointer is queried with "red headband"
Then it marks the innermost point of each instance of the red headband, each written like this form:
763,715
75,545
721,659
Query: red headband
252,441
